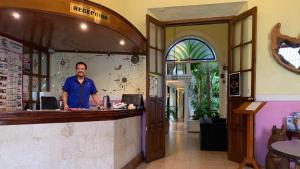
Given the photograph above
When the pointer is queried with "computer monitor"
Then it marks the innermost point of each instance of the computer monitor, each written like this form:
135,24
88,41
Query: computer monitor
48,102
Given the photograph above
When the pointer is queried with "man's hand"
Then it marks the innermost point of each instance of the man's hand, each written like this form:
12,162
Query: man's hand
99,107
66,107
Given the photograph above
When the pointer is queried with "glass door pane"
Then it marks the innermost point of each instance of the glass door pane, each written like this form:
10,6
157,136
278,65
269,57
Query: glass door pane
25,87
237,33
160,62
44,59
43,84
35,88
152,59
35,62
160,36
152,85
152,31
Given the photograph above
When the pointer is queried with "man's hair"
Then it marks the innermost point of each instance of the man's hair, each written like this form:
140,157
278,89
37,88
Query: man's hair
81,63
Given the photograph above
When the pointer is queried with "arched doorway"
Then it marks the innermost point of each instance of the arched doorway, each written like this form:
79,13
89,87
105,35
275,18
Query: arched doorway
191,62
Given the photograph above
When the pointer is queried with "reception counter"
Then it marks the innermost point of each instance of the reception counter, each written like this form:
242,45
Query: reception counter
107,139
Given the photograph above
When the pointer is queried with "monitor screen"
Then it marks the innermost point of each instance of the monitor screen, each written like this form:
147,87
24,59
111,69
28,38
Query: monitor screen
48,102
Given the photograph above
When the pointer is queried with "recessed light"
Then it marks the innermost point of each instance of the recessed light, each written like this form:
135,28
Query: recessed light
16,15
83,26
122,42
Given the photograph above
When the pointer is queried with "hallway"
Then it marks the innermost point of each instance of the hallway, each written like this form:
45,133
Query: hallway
183,152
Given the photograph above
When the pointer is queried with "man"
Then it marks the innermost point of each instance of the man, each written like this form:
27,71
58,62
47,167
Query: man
77,89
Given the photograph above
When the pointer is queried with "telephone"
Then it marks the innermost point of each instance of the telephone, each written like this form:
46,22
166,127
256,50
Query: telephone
119,106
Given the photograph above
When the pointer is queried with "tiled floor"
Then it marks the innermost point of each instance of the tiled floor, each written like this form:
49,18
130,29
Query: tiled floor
183,152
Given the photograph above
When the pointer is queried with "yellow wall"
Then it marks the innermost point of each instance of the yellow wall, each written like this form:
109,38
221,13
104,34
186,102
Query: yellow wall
271,77
214,34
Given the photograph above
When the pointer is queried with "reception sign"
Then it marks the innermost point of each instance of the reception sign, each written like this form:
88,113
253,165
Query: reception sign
88,11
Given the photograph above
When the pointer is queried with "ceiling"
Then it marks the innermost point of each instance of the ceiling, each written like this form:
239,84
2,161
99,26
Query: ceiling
54,27
197,11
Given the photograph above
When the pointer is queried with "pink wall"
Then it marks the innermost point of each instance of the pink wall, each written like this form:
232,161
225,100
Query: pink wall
273,113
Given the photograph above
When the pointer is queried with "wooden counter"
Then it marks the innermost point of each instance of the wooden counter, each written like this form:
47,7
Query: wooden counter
62,116
108,139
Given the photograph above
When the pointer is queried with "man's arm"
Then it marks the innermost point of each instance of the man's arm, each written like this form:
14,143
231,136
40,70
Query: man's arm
65,99
96,99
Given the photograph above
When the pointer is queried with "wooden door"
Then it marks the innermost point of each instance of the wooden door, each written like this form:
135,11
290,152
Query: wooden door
155,108
241,62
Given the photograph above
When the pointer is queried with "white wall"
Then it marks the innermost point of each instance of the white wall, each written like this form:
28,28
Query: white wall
106,71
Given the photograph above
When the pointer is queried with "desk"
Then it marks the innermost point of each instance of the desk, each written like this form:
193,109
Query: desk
92,139
289,149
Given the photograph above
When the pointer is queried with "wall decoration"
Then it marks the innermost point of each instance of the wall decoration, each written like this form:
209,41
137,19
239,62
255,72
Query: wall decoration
134,61
234,84
113,74
286,50
10,74
122,81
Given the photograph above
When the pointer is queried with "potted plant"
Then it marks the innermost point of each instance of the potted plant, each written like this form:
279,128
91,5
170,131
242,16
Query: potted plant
170,114
205,98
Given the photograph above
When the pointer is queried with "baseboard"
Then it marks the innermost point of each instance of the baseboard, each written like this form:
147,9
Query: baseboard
135,162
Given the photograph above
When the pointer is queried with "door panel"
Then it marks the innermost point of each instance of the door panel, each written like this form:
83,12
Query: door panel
155,135
242,59
160,112
151,108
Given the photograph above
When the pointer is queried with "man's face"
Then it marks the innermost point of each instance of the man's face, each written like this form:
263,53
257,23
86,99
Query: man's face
80,70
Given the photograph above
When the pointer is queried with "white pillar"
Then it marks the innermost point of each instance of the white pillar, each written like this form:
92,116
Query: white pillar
188,69
186,102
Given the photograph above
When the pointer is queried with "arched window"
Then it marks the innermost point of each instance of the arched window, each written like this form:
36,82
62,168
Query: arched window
190,50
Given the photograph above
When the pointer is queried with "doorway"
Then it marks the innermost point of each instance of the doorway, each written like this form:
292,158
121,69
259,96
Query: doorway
236,25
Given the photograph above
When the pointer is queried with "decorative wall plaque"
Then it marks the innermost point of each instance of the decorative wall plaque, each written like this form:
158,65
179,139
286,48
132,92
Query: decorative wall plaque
286,50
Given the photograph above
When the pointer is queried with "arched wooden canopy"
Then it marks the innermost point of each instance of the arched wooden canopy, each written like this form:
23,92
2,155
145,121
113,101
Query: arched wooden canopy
55,25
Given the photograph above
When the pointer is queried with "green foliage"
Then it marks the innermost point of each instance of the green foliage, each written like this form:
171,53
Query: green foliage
205,99
190,49
170,113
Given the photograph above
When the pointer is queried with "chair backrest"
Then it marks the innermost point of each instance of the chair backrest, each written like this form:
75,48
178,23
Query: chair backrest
48,102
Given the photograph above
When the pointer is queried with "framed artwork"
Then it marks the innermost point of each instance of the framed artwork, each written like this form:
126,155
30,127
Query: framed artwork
234,84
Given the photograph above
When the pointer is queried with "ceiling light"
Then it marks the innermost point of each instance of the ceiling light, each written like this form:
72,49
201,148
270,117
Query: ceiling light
122,42
16,15
83,26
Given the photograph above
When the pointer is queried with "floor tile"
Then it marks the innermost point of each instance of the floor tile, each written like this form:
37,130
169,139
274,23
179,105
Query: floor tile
183,152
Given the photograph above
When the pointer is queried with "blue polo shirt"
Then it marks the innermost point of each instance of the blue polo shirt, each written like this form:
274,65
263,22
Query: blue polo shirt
79,94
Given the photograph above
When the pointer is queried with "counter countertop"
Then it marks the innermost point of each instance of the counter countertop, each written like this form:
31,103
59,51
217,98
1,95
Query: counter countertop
63,116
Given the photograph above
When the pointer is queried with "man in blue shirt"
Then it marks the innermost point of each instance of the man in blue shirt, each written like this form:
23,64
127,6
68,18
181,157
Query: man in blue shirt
77,89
